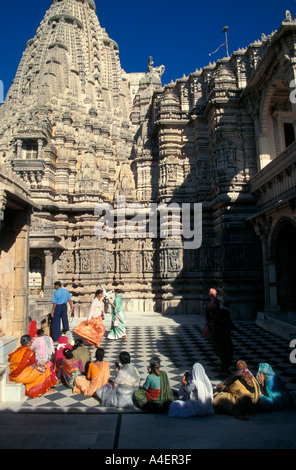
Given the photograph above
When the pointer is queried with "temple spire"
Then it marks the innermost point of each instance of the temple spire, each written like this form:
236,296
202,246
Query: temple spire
90,2
64,126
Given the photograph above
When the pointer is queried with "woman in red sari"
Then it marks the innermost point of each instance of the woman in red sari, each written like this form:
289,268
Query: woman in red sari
24,369
93,328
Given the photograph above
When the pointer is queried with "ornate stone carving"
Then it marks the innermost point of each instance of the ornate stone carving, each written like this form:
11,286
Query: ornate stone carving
125,262
65,263
85,261
80,132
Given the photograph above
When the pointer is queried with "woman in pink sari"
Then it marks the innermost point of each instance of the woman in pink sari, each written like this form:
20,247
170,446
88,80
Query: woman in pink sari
93,328
59,354
43,347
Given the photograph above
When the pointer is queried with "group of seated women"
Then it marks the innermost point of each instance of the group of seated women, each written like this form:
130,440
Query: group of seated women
239,395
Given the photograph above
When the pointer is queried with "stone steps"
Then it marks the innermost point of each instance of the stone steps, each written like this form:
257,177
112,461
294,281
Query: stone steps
15,393
8,344
9,391
277,326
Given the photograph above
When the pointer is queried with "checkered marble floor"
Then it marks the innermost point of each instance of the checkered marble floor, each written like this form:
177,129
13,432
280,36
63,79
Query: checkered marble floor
179,347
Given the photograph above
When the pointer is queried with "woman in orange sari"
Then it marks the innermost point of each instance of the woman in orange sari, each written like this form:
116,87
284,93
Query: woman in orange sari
93,328
24,369
98,374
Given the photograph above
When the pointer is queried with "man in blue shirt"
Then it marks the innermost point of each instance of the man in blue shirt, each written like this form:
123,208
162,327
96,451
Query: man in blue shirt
60,299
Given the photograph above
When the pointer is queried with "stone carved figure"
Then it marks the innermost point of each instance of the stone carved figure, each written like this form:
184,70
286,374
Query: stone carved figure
85,261
173,257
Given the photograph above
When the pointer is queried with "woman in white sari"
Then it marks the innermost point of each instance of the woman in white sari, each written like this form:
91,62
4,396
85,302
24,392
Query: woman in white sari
127,380
197,396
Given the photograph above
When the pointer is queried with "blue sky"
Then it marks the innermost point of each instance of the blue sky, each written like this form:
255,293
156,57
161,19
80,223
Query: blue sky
178,37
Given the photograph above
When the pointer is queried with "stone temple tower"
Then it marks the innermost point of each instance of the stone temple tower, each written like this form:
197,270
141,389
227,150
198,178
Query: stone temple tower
65,123
81,133
65,129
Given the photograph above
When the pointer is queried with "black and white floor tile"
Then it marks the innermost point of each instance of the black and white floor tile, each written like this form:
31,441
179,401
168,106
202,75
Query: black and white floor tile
179,347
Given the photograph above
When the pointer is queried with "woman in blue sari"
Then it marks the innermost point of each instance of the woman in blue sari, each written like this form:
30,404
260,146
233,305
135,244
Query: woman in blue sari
273,395
118,318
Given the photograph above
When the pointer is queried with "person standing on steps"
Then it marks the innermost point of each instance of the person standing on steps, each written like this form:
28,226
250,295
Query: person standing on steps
60,299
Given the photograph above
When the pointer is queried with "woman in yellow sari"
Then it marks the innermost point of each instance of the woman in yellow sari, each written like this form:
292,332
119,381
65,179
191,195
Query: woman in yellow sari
24,369
98,374
237,395
93,328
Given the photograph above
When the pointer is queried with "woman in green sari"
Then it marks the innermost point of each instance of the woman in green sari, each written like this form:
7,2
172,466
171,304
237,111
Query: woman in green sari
118,318
156,395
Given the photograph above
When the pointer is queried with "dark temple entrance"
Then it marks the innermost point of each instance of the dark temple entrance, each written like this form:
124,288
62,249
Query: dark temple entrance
286,267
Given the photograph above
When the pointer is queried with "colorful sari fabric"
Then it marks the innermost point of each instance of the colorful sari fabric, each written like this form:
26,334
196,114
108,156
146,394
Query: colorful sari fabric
24,369
243,372
238,395
98,375
118,319
70,372
274,395
155,400
153,393
127,380
92,330
82,353
43,347
59,355
33,329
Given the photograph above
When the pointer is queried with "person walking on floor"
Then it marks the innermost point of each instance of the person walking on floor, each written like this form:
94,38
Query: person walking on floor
118,329
221,335
93,328
60,299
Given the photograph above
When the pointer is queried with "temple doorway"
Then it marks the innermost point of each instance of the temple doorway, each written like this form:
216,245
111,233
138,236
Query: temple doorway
286,267
36,274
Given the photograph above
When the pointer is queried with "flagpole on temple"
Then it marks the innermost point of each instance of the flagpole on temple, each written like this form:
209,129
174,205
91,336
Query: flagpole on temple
225,29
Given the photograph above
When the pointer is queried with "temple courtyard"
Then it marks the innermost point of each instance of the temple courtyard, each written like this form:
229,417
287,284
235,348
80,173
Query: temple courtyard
61,420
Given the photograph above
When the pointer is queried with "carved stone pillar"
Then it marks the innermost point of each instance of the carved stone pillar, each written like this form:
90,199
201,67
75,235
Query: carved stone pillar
19,146
262,229
21,262
40,149
48,273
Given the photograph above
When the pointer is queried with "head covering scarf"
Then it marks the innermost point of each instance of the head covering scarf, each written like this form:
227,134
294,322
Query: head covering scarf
265,369
42,348
203,386
243,372
213,292
63,342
